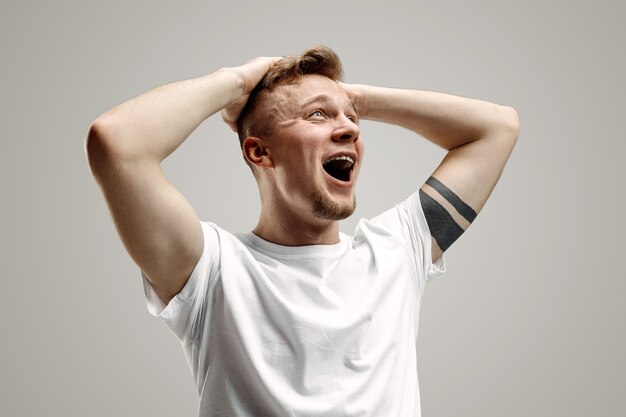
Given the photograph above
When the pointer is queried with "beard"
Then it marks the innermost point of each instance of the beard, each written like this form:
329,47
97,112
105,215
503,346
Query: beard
325,208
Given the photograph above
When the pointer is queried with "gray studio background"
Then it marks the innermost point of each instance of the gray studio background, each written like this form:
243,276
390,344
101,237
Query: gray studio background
529,319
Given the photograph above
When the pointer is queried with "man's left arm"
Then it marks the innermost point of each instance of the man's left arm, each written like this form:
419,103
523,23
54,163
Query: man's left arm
478,135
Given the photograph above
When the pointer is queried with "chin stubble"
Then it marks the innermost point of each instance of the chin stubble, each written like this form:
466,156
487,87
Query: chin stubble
327,209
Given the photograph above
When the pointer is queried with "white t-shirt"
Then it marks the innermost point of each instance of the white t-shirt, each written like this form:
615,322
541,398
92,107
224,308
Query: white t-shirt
322,330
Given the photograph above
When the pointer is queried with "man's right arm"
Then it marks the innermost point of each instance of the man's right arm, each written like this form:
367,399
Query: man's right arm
125,147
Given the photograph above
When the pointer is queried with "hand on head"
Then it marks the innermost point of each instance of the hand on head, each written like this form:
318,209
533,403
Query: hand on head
352,92
250,74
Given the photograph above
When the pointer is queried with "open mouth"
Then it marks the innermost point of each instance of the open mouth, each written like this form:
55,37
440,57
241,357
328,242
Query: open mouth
339,167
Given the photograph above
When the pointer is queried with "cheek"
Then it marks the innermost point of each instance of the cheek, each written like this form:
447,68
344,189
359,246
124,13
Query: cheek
360,149
294,167
300,172
302,155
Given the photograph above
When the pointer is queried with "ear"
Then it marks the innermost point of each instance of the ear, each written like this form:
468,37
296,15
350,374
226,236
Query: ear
256,152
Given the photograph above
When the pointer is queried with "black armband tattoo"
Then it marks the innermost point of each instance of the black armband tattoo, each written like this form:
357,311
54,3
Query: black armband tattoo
442,226
460,206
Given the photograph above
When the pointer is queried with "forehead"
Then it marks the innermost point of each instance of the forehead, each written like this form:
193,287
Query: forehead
309,89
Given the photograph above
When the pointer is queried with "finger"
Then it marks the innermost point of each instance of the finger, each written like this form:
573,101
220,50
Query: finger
267,63
273,60
269,60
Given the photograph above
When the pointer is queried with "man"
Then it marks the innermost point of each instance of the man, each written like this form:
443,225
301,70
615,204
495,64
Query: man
295,318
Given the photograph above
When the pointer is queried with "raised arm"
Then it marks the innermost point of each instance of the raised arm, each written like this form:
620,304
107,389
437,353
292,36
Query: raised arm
478,135
125,147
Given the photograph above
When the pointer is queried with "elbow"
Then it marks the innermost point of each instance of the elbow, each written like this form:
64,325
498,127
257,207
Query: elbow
503,126
510,121
99,145
94,138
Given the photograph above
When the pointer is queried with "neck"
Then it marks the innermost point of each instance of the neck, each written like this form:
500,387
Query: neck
292,230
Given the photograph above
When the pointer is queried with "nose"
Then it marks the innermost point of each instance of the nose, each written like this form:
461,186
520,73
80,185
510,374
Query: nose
346,130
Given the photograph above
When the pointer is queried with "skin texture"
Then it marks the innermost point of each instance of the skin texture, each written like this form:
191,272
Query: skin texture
125,147
300,202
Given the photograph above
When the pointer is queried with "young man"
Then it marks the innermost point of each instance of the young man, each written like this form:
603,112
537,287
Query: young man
295,318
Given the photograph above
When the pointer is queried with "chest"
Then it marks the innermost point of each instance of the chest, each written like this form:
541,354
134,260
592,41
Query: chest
362,301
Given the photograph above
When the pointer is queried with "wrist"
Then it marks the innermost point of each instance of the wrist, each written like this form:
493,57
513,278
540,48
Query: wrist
234,81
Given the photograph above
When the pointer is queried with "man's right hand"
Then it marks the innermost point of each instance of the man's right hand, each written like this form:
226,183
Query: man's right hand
250,74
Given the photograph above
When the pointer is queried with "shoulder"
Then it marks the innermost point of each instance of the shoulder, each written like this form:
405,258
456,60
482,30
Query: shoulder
402,218
404,222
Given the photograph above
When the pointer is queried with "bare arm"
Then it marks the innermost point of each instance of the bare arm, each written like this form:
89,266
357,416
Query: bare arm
125,147
478,135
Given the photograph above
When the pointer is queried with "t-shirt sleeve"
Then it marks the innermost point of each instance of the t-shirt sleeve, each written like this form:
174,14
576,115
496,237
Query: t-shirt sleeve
408,221
184,313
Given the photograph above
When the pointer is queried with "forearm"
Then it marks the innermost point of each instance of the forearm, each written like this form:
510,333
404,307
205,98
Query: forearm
447,120
152,125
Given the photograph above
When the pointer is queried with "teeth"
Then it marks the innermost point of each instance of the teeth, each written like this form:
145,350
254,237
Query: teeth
341,158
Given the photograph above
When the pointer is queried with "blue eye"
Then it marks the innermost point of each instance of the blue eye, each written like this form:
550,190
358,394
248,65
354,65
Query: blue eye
317,113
